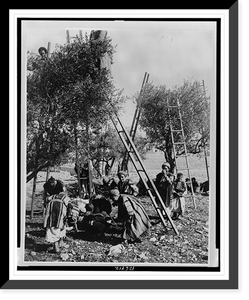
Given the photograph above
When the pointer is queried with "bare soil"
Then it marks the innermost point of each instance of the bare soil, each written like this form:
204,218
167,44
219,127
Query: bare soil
161,245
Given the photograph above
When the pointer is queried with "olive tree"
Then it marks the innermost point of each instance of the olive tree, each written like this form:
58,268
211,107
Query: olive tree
195,111
67,95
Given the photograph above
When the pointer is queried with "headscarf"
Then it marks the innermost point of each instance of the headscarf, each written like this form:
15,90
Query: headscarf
89,207
52,179
42,49
122,173
165,165
114,193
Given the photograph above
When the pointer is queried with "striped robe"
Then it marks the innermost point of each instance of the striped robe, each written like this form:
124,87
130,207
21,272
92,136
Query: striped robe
129,207
55,217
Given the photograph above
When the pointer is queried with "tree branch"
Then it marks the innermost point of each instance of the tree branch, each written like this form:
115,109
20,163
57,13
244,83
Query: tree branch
32,175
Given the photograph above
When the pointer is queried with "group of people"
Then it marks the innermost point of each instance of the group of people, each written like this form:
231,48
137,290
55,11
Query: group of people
93,215
60,211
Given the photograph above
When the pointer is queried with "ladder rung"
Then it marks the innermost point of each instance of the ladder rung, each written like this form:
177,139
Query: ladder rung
179,143
176,130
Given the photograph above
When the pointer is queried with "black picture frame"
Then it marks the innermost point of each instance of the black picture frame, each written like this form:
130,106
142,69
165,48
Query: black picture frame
232,282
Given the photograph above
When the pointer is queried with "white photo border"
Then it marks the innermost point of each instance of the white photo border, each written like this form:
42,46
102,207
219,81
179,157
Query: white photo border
76,276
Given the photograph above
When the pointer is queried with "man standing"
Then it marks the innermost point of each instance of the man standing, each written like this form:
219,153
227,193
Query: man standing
164,184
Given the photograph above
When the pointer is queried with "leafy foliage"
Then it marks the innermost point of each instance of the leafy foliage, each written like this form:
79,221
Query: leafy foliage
66,92
195,112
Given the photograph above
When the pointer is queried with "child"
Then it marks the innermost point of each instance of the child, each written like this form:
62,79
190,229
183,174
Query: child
195,185
178,201
179,185
188,184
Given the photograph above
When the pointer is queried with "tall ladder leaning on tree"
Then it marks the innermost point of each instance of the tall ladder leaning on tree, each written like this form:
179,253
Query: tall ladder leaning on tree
135,121
176,108
141,171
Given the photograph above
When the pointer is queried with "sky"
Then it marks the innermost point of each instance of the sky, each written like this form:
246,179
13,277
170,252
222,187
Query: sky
169,51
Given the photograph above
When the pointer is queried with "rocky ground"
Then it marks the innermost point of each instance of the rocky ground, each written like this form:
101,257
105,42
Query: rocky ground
161,245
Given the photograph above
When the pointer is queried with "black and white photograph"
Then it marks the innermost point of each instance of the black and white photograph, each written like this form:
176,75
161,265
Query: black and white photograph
123,150
119,143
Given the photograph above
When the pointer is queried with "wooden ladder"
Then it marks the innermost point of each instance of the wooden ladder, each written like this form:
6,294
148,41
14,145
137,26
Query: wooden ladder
135,121
69,38
176,108
143,174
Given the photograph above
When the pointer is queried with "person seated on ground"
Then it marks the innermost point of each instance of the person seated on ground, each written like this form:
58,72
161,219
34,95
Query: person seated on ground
204,188
52,187
55,219
78,213
133,214
195,185
94,223
101,203
125,185
73,213
76,209
109,184
178,201
142,189
164,184
188,184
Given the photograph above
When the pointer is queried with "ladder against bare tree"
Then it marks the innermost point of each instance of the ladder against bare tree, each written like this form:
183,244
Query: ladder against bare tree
144,176
177,133
135,121
204,147
73,38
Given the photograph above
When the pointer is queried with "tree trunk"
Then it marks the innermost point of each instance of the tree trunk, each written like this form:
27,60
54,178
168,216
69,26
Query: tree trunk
170,160
91,188
206,162
77,161
102,167
33,196
47,173
119,166
109,166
